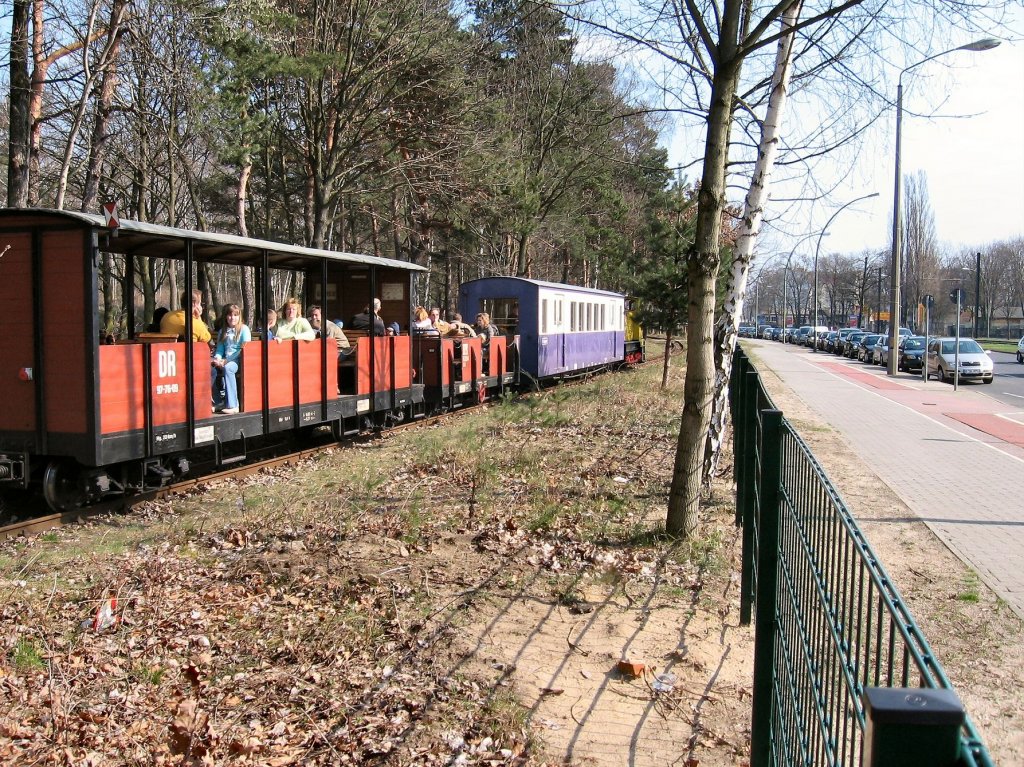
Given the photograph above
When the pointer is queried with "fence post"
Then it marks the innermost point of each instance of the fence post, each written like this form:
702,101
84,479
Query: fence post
746,496
912,727
770,453
737,388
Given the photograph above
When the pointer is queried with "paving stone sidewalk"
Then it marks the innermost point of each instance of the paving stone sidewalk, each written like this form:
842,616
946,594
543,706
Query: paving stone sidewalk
956,459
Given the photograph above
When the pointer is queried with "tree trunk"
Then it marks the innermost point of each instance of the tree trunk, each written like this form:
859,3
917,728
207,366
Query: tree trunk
522,261
20,95
668,355
395,235
248,289
100,136
79,116
753,213
40,65
107,290
702,270
144,275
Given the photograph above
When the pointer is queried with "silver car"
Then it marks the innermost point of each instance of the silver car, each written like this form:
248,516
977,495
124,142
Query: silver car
975,362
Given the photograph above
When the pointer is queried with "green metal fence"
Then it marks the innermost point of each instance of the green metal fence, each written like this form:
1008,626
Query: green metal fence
830,623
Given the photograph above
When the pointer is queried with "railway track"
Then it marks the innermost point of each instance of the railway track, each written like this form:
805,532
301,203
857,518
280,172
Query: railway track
48,520
39,524
33,525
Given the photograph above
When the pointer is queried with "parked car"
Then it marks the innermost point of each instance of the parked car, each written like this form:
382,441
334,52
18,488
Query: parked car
852,342
777,334
1020,351
746,331
911,354
866,346
975,362
800,337
880,351
828,343
844,333
816,332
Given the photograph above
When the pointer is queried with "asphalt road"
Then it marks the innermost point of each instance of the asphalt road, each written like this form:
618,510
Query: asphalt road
1008,385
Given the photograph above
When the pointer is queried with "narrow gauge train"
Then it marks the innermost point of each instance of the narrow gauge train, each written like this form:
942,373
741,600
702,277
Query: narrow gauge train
563,330
85,418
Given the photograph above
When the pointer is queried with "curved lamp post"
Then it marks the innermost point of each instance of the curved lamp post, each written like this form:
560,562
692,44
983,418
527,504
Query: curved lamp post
785,270
985,44
817,248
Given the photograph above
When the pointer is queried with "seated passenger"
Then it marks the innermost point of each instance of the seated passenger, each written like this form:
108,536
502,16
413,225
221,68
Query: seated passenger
484,327
438,324
291,325
421,325
459,328
173,323
158,315
327,328
271,321
233,335
362,320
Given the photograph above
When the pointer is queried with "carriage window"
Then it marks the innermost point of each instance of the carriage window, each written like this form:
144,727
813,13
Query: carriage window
572,316
603,326
504,314
544,316
590,317
559,302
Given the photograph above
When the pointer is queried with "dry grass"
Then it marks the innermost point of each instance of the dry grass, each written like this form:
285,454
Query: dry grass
343,611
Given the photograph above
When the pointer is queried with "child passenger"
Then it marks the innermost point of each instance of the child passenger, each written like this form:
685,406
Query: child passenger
233,335
271,321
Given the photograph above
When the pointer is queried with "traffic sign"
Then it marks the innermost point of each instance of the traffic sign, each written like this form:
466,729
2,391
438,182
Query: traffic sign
958,295
110,219
928,300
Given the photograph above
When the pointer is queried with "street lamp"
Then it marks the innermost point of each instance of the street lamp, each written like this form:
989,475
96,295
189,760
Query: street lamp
985,44
785,269
977,295
817,248
756,283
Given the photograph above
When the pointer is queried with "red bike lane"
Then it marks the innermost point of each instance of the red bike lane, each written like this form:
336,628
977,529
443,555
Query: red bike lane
970,413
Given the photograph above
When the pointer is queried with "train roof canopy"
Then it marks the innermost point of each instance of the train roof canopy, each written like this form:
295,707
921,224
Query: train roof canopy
546,285
140,238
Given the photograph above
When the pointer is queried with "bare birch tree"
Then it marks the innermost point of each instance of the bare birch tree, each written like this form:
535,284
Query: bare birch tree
753,212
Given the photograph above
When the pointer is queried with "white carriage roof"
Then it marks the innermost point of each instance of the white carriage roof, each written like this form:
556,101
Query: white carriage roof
163,242
556,286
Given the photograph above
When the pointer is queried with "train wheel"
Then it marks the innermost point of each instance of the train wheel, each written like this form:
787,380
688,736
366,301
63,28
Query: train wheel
60,486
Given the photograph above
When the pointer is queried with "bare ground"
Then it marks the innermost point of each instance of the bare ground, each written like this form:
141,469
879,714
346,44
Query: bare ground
456,595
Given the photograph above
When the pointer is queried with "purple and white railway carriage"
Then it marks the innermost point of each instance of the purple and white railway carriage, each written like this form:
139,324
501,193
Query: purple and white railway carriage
561,329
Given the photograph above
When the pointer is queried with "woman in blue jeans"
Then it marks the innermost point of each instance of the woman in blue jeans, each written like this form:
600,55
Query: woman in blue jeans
233,335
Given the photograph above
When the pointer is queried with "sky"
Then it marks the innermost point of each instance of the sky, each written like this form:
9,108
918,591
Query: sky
971,150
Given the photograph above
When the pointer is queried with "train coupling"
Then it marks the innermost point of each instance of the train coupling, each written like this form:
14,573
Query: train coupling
13,469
